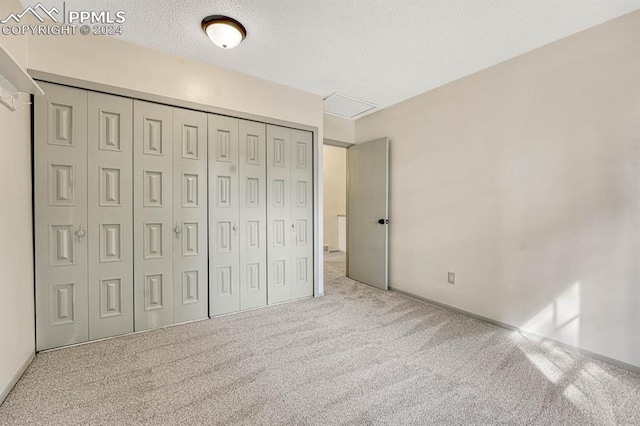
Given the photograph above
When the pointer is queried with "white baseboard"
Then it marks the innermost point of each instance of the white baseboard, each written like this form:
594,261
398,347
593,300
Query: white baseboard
7,389
615,362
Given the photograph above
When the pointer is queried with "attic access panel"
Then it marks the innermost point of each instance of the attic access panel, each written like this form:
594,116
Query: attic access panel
345,106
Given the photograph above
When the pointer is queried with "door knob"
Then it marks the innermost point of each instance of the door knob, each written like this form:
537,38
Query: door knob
80,233
177,230
383,221
235,228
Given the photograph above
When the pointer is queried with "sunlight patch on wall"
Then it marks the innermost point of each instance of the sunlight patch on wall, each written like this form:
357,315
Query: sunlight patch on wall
560,319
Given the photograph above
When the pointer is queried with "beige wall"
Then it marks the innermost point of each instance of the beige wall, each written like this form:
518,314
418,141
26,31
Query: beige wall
16,258
524,179
108,60
338,129
335,192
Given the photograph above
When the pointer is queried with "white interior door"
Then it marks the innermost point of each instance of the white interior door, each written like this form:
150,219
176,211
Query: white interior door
224,259
253,215
61,217
153,215
302,213
110,229
367,215
190,276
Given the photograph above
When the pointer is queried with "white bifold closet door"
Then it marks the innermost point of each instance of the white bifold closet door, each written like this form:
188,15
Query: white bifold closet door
190,274
123,215
110,230
61,217
237,215
153,215
82,216
253,215
170,219
289,214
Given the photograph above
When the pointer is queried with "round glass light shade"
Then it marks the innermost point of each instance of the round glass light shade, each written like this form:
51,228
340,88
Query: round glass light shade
224,32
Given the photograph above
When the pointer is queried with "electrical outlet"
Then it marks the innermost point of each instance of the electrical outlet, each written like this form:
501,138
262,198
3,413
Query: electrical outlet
451,278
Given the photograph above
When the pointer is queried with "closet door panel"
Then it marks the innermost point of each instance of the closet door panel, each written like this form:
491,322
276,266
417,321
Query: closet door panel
224,259
190,277
110,230
61,216
302,213
153,215
253,215
279,229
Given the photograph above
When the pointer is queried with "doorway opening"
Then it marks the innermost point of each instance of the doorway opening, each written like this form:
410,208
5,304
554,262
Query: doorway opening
335,202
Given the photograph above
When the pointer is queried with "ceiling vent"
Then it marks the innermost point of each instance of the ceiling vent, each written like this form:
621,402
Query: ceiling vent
345,106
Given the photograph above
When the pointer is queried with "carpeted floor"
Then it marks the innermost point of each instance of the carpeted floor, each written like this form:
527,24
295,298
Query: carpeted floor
356,356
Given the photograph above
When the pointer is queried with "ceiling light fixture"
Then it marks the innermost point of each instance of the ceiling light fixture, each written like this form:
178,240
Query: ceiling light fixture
225,32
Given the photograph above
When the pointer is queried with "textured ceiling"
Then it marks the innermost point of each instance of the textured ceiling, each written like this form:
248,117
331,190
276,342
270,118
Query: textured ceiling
381,51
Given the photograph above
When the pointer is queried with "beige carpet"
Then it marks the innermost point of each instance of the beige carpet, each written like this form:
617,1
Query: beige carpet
357,356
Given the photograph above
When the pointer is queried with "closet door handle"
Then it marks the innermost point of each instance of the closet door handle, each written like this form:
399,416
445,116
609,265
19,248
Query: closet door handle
177,230
80,233
235,228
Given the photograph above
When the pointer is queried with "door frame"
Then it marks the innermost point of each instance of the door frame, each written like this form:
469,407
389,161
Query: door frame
318,258
346,146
